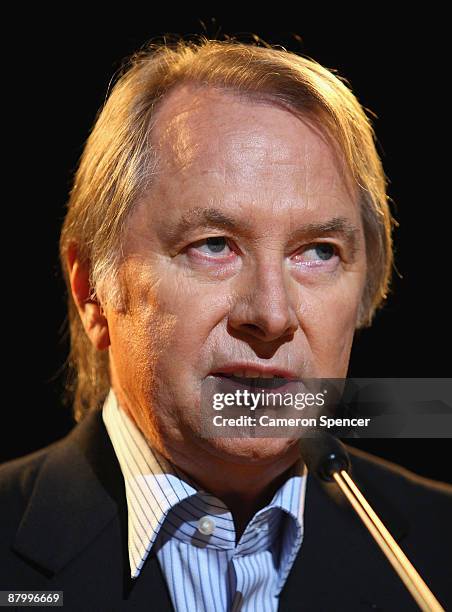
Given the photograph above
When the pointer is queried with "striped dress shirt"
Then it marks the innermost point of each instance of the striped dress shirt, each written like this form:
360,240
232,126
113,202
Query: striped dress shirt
193,532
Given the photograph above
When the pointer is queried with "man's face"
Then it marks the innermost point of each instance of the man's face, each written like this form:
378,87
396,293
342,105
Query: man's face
279,285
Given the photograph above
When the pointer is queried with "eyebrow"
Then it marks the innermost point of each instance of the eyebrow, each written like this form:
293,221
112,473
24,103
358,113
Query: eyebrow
336,226
207,217
200,217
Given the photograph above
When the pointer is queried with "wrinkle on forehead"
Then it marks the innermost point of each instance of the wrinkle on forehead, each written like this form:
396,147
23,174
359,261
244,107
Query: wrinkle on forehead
205,132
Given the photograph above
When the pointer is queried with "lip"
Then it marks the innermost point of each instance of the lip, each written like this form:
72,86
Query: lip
259,369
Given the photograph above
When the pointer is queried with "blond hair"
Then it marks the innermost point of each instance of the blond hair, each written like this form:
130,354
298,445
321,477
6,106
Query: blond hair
119,160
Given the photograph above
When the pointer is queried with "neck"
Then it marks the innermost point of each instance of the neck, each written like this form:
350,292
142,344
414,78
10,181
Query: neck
244,489
244,486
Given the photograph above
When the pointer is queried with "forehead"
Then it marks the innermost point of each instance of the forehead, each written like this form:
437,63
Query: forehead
216,131
212,141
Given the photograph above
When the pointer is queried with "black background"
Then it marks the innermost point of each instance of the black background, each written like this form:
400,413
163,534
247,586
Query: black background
59,67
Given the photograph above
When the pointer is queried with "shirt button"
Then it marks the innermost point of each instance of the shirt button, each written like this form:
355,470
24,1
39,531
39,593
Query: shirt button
206,525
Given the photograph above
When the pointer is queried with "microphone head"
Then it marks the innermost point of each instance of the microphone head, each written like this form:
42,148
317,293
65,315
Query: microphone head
324,455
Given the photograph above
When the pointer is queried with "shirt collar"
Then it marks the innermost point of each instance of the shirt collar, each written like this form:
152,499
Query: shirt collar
156,489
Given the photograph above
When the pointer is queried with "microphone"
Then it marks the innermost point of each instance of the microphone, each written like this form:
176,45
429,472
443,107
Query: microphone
327,458
324,455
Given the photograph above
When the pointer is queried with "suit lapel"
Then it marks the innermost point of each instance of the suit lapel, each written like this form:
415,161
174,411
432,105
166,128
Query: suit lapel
67,508
78,493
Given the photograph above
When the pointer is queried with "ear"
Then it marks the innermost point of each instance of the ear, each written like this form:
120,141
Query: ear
91,312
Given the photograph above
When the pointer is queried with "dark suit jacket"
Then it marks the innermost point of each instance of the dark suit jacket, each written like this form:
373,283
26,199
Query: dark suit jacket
64,527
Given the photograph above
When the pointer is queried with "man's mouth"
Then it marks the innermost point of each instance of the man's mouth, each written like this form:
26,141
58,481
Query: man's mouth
254,381
246,374
253,370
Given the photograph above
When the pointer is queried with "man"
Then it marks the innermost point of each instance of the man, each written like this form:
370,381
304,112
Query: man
229,216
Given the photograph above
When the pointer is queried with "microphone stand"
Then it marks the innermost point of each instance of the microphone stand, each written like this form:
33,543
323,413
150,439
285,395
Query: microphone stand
328,459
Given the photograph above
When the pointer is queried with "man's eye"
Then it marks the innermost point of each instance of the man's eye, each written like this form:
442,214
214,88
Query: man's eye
322,251
212,245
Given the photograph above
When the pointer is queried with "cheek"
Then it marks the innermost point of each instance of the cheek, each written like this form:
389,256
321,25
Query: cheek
138,338
328,320
169,322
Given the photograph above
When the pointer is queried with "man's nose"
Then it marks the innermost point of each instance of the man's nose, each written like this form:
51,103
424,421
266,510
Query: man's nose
263,306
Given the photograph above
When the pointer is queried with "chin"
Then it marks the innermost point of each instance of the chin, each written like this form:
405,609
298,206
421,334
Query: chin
258,451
